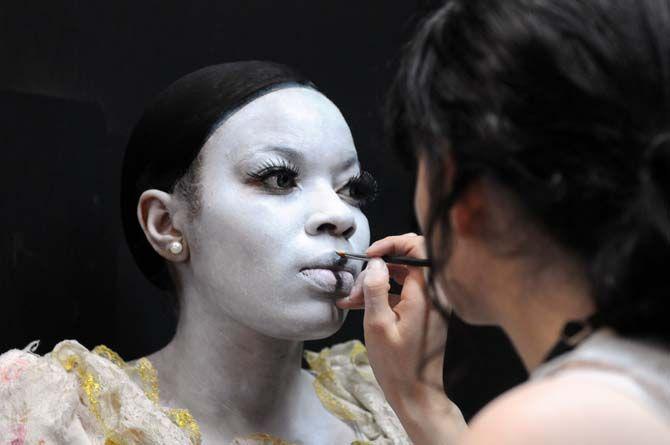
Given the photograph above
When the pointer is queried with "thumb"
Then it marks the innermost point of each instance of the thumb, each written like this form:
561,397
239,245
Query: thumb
376,289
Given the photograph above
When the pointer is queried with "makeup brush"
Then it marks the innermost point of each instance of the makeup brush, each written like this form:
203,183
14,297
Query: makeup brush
405,260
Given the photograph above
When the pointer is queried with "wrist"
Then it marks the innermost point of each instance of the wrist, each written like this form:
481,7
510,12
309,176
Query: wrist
429,417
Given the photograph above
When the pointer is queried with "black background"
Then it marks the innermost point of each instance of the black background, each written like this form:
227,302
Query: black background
75,76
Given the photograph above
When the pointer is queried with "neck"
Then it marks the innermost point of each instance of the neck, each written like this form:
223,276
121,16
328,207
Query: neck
542,306
225,373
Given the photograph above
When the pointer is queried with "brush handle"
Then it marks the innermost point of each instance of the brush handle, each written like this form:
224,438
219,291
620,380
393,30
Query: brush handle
407,261
404,260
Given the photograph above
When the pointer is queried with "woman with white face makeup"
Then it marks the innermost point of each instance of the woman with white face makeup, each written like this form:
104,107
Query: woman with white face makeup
239,184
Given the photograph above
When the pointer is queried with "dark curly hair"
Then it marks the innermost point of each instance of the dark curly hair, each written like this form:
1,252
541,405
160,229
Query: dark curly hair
567,104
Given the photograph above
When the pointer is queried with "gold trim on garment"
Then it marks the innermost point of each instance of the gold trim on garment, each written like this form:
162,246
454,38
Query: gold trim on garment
184,420
148,382
324,376
148,377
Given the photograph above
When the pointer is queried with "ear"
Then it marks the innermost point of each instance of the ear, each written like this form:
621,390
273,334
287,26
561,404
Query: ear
469,212
156,214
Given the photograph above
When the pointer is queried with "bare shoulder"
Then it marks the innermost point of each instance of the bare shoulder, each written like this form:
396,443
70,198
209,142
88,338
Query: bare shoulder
566,410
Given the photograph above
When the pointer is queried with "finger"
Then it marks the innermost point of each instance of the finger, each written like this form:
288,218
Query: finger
408,245
357,289
349,304
355,298
389,241
398,273
378,312
413,290
414,302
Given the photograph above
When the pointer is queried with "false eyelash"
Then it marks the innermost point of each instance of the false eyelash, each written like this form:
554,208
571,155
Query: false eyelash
270,167
363,189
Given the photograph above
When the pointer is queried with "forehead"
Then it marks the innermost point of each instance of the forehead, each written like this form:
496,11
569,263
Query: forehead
297,118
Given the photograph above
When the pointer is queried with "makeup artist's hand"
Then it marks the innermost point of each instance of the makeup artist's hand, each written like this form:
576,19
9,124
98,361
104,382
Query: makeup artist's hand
405,337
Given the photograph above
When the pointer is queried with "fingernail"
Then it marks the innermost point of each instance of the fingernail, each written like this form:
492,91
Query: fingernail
375,264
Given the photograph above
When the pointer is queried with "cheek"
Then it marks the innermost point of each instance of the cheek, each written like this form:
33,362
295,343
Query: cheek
360,241
237,235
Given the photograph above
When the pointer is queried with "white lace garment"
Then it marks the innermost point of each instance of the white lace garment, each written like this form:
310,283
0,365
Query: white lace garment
78,397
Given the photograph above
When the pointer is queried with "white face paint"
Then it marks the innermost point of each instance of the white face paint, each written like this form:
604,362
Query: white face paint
262,247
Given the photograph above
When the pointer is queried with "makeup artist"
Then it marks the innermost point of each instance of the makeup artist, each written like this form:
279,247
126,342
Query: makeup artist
541,133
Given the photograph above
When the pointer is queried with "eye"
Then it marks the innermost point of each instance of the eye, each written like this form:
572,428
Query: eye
361,190
276,176
282,179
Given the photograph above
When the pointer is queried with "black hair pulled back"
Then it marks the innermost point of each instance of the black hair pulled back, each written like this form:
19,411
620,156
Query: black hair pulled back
166,141
567,104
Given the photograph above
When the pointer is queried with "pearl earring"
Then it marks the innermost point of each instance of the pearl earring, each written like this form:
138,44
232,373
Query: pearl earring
176,247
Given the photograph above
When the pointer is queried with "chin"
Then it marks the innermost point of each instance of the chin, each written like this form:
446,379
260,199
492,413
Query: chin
310,322
471,319
472,315
466,305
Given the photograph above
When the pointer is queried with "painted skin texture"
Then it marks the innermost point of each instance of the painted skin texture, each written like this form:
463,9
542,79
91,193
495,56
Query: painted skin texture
245,231
252,278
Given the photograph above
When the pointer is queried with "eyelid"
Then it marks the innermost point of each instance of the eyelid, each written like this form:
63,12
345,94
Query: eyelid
365,179
348,179
271,166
